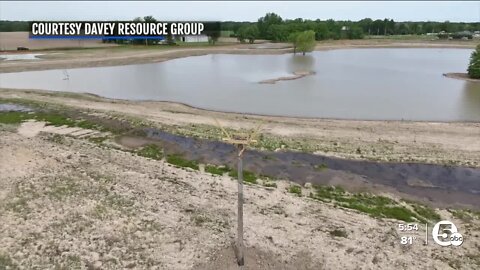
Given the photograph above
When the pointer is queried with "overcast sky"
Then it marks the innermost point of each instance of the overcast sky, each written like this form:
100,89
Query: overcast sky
468,11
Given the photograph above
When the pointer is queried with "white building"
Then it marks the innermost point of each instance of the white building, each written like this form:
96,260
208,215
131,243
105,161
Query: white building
199,38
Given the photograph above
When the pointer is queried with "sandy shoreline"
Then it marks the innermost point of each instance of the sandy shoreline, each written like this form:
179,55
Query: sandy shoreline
449,143
461,76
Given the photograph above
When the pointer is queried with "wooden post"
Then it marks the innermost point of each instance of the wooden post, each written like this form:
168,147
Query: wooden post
240,259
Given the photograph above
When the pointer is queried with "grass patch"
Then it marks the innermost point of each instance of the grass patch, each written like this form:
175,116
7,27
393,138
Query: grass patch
52,118
217,170
118,202
97,140
63,188
152,151
248,176
18,205
375,206
320,167
426,212
99,211
6,262
465,215
269,184
181,162
14,117
199,220
297,190
339,233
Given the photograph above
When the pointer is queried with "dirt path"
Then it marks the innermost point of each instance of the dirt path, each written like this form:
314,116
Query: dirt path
64,204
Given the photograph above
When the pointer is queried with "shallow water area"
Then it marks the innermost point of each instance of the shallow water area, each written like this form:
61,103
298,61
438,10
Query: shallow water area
360,84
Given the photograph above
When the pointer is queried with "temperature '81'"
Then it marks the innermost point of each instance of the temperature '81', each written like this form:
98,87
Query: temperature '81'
407,240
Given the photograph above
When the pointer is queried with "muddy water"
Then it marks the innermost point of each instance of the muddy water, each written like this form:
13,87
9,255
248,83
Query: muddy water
6,107
431,183
380,84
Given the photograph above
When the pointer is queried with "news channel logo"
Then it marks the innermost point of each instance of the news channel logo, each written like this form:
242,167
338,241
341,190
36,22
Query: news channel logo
445,234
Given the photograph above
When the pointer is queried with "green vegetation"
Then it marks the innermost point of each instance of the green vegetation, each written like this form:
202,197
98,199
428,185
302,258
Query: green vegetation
181,162
295,189
474,66
247,32
218,170
269,184
97,140
248,176
305,41
275,28
320,167
426,212
63,188
52,118
152,151
465,215
6,262
13,117
375,206
339,233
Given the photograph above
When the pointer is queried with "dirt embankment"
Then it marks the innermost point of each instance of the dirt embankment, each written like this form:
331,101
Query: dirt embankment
402,141
64,204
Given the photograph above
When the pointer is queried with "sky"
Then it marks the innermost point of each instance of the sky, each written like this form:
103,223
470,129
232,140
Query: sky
454,11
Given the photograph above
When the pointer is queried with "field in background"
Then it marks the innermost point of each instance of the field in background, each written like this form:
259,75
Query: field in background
12,40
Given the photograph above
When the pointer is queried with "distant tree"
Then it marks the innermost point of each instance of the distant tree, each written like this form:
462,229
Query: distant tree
278,32
355,32
306,41
213,37
321,32
293,38
474,67
249,32
264,24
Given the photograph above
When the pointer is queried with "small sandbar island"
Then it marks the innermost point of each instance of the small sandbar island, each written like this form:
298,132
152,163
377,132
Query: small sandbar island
460,76
296,75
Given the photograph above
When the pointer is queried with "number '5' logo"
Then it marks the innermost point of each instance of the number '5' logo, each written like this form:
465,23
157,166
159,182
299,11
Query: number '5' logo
451,238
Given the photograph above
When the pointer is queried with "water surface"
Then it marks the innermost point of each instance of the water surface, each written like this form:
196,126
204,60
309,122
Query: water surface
372,84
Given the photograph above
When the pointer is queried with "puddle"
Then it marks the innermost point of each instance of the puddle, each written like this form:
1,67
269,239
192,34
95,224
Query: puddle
5,107
430,183
15,57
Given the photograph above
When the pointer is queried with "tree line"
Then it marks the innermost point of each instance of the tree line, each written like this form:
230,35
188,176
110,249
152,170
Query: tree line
275,28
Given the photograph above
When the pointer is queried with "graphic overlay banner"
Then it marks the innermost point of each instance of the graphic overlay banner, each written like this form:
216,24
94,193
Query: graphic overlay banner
120,29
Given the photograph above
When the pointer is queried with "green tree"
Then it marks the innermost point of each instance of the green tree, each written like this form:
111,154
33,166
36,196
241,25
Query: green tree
278,32
321,32
306,41
213,37
474,67
249,32
293,38
264,24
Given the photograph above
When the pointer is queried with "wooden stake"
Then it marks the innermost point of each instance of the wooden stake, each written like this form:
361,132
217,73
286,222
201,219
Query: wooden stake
240,258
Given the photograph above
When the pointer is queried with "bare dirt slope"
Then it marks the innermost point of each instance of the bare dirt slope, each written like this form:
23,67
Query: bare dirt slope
68,203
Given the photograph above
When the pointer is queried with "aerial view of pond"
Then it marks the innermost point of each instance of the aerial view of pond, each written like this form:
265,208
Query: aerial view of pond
370,84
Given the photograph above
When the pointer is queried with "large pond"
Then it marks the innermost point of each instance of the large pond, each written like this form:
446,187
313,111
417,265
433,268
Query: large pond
386,84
